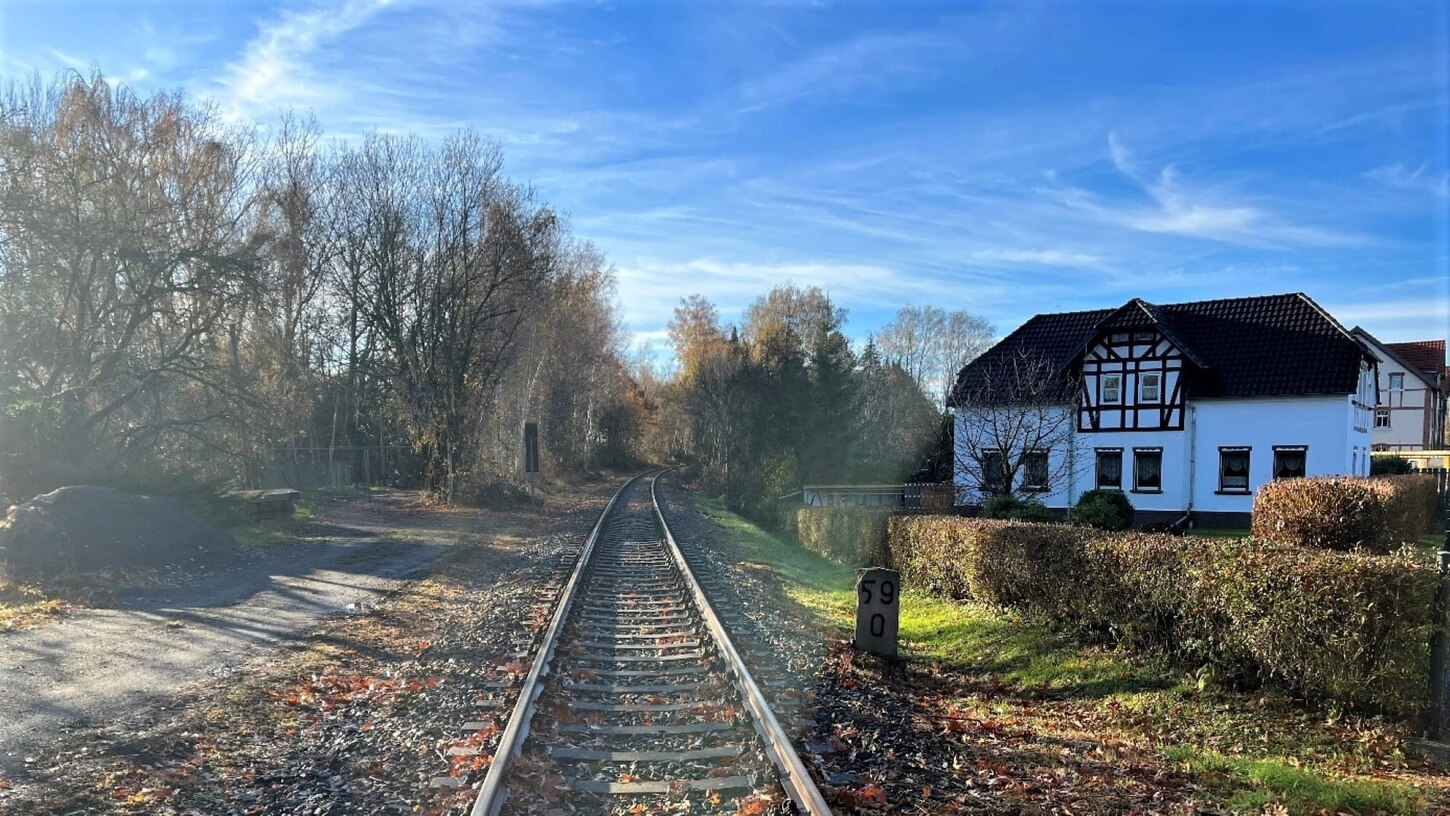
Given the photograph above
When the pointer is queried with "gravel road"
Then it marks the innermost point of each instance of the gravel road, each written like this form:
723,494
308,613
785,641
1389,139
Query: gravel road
105,664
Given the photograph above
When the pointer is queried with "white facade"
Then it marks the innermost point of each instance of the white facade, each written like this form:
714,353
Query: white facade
1211,454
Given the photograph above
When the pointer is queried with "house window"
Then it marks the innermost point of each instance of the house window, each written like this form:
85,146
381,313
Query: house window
1118,337
1233,470
1143,336
1110,468
1034,471
1382,417
1290,461
994,472
1112,389
1150,387
1148,470
1397,382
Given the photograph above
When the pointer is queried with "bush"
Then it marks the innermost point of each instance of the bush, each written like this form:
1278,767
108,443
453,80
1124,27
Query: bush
847,535
1338,513
1390,466
1012,508
1347,627
1103,510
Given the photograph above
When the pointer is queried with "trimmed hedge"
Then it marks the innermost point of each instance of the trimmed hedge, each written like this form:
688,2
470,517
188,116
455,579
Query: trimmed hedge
847,535
1103,509
1347,627
1339,513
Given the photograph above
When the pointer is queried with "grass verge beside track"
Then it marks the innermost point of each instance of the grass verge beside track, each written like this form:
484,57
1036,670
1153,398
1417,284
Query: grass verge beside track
1248,752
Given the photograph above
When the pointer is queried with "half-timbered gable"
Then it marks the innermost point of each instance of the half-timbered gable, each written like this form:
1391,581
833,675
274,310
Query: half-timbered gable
1134,373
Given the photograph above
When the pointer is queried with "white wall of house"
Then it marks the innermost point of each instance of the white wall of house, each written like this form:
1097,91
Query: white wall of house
1332,429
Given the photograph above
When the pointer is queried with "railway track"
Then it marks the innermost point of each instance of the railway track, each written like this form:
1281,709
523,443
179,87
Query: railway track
637,702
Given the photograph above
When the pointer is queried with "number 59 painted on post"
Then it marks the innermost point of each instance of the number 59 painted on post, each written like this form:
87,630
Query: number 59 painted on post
877,610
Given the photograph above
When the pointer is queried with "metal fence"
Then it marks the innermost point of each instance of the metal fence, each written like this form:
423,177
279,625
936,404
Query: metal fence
918,497
341,466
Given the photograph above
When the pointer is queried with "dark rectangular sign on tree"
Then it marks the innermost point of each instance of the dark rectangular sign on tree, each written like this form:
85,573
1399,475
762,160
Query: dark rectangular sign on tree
531,447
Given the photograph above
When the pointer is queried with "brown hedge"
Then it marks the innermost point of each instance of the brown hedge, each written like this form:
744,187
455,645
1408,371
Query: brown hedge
848,535
1341,513
1347,627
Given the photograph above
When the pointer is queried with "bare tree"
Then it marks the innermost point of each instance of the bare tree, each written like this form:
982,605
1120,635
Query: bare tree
932,345
1015,420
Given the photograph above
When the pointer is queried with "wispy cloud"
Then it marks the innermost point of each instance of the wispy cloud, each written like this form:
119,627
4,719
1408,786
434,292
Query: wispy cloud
843,68
1180,208
275,69
1419,180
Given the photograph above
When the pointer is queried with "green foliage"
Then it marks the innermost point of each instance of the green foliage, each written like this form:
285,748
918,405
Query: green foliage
1015,508
1337,513
1390,466
1351,628
855,536
1103,510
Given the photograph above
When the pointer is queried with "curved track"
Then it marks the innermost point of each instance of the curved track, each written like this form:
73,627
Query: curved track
637,701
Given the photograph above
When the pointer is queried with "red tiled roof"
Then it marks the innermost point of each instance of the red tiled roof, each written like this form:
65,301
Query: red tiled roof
1425,355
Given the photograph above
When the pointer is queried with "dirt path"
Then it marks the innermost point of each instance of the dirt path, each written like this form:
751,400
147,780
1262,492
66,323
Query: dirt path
107,664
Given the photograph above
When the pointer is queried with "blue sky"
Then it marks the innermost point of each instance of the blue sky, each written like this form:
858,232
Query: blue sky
1004,158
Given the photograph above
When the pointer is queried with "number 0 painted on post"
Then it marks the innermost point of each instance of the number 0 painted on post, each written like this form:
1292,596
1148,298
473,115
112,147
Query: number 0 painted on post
877,611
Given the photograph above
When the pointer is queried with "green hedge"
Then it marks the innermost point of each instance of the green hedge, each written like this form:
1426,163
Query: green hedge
848,535
1339,513
1347,627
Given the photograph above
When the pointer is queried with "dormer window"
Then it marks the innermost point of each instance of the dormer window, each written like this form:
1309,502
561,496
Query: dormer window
1112,389
1118,337
1150,387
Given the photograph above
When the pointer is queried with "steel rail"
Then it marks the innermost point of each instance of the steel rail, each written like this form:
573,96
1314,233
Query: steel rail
492,793
793,775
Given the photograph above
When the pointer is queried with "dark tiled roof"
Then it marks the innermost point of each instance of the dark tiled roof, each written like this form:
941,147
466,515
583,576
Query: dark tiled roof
1276,345
1425,355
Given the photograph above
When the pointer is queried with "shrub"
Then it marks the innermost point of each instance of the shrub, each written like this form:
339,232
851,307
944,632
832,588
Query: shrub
1390,466
1338,513
848,535
1012,508
1348,627
1103,510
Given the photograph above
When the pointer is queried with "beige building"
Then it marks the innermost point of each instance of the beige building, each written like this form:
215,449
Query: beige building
1410,409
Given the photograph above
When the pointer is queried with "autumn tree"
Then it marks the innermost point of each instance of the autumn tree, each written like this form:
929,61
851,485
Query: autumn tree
123,251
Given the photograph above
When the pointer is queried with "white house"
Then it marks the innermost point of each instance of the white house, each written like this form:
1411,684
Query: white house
1186,407
1410,414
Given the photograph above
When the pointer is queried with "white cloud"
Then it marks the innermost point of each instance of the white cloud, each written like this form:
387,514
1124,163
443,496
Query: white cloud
275,72
1419,180
1195,212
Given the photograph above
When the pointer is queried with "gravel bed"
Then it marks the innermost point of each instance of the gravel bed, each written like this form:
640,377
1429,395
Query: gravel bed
390,709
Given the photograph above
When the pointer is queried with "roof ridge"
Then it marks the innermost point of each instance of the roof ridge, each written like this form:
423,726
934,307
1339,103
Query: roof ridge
1327,316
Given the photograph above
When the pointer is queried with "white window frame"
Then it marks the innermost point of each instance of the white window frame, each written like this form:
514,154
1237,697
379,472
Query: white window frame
1116,378
1381,413
1397,381
1157,386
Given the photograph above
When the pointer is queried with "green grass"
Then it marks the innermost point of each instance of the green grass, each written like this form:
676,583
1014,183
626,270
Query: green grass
276,531
1250,750
1262,782
1220,532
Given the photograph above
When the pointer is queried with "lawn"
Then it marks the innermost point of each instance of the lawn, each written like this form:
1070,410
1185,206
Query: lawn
1247,750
